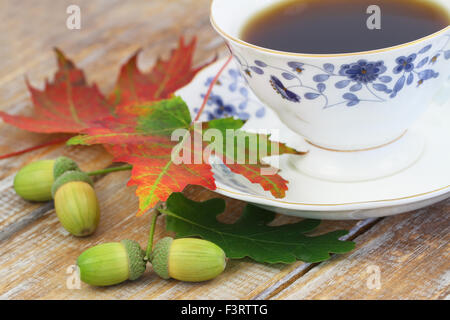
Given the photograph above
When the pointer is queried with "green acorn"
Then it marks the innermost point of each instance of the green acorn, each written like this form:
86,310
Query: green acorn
76,203
188,259
112,263
34,181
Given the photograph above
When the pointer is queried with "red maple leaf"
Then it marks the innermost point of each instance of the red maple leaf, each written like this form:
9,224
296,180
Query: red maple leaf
68,104
166,77
136,122
154,173
145,143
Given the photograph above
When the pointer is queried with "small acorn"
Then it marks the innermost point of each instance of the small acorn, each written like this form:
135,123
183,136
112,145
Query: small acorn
34,181
112,263
188,259
76,203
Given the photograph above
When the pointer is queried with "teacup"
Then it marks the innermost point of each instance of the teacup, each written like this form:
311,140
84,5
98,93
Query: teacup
357,126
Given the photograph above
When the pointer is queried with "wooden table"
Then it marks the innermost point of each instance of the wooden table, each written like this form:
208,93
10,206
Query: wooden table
410,251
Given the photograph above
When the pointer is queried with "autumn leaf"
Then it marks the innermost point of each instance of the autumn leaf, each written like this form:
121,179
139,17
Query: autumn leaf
250,236
134,87
67,104
148,148
145,142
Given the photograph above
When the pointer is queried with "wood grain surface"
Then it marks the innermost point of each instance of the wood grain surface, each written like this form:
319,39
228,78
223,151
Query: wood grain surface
409,250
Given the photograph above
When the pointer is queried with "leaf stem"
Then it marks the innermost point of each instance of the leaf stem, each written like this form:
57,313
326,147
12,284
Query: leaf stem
40,146
109,170
151,234
211,86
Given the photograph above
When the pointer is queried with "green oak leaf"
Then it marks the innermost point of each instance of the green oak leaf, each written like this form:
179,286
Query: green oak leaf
250,236
165,117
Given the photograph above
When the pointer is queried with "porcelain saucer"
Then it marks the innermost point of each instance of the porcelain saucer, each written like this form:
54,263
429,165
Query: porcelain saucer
424,183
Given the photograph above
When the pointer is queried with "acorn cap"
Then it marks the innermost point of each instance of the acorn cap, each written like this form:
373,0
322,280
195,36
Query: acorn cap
136,256
63,164
160,257
70,176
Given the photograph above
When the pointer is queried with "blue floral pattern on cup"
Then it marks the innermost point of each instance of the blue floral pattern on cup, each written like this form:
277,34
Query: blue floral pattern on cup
405,63
283,91
242,105
375,79
363,71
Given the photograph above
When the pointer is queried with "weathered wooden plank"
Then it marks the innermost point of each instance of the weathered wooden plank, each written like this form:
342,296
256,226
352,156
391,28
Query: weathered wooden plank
410,251
111,31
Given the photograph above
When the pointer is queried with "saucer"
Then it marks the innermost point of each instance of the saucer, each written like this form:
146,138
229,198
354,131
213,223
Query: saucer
423,183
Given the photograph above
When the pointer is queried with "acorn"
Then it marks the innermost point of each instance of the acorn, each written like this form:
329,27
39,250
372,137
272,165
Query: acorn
187,259
112,263
34,181
76,203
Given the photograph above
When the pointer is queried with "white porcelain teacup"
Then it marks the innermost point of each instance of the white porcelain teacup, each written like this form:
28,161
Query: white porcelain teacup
354,108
